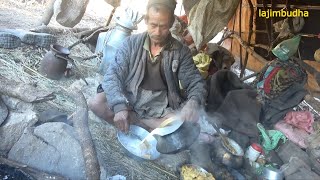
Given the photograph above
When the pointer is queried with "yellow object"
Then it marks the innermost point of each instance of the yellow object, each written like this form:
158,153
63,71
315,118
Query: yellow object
192,173
202,62
317,55
166,122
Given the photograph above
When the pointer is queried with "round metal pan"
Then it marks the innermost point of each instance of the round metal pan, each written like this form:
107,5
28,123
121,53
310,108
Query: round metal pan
131,142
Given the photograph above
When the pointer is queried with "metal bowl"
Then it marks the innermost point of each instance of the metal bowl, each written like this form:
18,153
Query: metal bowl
272,174
132,141
60,50
224,155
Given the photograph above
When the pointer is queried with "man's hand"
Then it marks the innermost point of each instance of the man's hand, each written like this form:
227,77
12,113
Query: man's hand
121,120
190,111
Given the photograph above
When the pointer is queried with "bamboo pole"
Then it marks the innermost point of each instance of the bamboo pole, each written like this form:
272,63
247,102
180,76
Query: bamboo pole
248,48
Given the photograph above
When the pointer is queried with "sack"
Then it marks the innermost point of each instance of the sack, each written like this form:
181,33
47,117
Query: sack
278,77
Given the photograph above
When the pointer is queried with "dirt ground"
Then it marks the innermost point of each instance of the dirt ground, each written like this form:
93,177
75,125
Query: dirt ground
26,14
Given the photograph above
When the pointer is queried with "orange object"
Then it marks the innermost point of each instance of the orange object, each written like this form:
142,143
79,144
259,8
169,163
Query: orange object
184,18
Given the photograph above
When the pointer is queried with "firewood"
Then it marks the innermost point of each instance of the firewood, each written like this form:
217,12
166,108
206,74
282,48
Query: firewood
80,122
56,30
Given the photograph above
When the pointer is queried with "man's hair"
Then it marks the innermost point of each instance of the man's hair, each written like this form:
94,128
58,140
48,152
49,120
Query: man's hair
161,8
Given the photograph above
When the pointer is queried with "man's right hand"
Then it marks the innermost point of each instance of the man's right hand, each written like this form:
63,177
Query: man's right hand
121,120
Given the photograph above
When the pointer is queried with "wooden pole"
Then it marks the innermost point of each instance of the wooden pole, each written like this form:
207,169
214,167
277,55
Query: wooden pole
247,48
47,14
80,121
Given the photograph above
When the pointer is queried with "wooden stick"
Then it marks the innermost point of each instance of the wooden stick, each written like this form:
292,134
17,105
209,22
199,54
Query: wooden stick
251,51
56,30
261,46
281,6
255,74
249,39
80,121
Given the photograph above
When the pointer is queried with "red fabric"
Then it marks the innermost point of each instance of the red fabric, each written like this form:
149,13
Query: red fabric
267,82
300,119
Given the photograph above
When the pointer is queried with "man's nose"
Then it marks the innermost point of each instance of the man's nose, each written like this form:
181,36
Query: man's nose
157,31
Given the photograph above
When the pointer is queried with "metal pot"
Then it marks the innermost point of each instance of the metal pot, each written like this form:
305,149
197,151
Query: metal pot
52,66
224,155
270,173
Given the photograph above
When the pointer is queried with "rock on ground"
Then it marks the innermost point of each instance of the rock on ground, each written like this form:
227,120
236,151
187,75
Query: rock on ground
13,128
51,147
16,105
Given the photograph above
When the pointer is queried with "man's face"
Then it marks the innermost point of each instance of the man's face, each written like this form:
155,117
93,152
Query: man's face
158,26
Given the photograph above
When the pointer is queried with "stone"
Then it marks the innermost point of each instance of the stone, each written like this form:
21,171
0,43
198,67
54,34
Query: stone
16,105
13,128
293,166
303,173
4,112
289,149
51,147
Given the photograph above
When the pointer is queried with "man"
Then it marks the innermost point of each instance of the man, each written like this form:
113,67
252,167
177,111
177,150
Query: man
142,84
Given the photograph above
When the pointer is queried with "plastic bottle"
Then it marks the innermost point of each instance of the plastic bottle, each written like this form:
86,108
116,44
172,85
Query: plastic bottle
253,152
287,48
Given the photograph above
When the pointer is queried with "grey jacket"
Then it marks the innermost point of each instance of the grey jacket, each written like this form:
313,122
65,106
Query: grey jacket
126,72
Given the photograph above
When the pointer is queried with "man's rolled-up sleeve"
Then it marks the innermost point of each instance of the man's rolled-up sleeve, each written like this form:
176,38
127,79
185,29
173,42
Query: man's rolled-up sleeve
114,79
190,78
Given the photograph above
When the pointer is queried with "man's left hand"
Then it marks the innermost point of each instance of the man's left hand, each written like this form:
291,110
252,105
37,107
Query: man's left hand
190,111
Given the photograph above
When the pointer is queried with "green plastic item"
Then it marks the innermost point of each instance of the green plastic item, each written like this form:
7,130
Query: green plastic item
270,138
287,48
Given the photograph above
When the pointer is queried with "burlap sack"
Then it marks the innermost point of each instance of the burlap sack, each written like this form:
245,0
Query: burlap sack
70,12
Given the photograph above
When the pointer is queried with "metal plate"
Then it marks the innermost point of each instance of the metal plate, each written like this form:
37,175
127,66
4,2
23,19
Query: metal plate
131,142
169,127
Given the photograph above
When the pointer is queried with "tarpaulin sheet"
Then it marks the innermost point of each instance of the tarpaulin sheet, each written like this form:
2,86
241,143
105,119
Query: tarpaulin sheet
208,18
